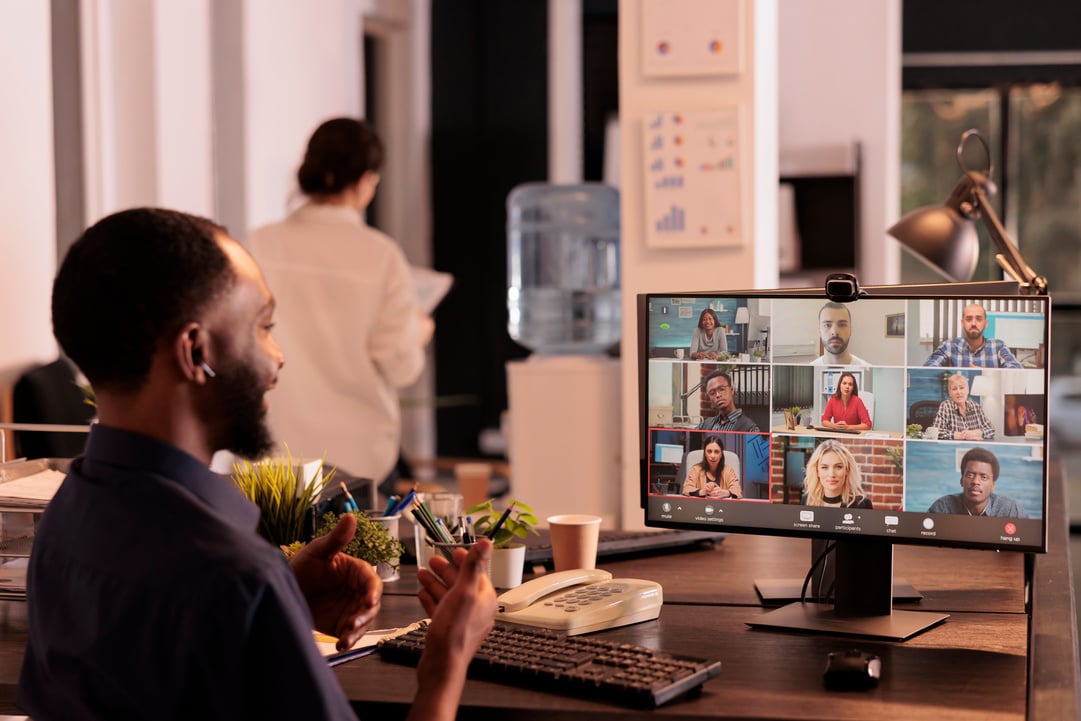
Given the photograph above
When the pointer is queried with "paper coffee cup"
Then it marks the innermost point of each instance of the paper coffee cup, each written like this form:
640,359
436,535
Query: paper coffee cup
574,539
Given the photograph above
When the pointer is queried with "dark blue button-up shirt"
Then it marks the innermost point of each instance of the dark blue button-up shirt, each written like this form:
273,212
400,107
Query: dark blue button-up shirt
151,597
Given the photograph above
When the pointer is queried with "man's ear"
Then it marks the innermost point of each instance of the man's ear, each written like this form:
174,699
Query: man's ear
191,349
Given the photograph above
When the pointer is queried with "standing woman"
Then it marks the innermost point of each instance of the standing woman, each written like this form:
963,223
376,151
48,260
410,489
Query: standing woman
711,478
844,409
709,339
833,478
348,319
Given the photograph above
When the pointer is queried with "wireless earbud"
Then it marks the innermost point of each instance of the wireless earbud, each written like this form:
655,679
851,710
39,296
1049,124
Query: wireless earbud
207,369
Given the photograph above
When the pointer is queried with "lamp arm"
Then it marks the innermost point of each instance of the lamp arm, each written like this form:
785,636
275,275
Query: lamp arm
1009,256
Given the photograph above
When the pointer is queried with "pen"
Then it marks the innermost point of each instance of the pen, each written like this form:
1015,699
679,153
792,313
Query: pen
429,529
470,536
403,504
443,532
350,504
498,524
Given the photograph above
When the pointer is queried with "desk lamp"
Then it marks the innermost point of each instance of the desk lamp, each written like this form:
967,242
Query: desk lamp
944,236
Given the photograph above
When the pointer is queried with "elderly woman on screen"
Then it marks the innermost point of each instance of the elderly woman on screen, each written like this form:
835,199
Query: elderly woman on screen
960,418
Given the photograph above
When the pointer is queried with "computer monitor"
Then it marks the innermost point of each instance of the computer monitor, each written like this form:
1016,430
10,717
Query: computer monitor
897,417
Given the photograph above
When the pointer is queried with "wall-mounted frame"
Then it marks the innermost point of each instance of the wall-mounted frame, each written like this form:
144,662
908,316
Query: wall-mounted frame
692,37
895,325
693,175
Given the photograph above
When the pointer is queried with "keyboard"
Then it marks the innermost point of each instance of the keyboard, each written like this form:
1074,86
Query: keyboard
587,667
849,431
620,543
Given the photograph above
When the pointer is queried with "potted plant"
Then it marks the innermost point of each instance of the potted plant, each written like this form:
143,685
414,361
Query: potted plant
285,493
758,354
796,410
374,542
508,554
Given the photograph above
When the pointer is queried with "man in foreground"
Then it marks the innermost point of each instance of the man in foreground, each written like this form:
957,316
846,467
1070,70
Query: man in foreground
149,593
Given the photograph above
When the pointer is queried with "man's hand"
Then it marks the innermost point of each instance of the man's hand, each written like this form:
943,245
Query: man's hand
342,592
459,598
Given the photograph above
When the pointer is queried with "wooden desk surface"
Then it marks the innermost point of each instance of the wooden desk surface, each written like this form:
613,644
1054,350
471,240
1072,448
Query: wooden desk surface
986,662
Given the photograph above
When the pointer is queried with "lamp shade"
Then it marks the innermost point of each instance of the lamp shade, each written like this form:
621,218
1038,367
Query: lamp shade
942,238
981,386
743,315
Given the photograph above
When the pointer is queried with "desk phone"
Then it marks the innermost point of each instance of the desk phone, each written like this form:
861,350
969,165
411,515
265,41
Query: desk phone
581,601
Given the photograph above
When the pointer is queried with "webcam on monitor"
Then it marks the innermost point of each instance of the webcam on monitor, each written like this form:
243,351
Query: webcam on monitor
842,287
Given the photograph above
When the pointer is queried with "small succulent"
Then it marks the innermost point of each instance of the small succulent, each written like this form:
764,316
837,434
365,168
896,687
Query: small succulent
519,524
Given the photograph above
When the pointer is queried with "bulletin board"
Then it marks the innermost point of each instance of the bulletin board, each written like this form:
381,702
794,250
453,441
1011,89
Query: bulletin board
692,178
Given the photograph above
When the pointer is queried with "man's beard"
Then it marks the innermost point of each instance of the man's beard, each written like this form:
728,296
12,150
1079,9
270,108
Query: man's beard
246,433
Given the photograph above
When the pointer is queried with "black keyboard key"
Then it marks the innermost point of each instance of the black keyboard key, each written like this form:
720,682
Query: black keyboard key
572,665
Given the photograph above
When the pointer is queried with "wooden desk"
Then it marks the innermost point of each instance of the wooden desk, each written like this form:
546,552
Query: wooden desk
987,662
802,430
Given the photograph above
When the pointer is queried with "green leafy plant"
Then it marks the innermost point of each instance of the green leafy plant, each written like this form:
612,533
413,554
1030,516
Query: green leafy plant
519,524
914,430
758,353
372,542
285,503
896,457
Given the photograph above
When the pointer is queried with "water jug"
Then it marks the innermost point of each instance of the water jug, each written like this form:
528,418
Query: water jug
563,267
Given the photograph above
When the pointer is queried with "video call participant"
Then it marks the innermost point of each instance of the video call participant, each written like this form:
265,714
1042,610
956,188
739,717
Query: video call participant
835,331
844,409
972,350
959,417
149,593
711,478
722,394
979,476
709,340
833,478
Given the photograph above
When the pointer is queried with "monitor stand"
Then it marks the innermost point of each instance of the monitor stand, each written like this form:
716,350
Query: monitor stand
863,599
774,591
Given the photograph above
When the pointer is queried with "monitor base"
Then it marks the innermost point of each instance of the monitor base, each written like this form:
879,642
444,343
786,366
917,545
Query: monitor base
787,590
821,618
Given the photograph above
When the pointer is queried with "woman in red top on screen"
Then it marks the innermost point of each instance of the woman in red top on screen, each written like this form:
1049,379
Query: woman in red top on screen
711,478
845,409
833,478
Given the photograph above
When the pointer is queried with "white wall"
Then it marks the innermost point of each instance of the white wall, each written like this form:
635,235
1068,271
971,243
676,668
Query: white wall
752,264
840,81
27,206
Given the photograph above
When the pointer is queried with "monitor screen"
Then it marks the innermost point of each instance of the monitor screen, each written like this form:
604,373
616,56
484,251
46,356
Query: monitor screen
916,419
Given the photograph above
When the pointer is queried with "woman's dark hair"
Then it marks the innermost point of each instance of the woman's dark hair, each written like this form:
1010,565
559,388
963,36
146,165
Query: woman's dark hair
339,152
709,312
129,280
855,385
704,463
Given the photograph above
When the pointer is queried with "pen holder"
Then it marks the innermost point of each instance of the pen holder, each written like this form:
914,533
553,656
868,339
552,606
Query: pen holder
446,506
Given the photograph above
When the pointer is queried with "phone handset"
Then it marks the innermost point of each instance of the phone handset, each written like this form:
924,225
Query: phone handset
529,592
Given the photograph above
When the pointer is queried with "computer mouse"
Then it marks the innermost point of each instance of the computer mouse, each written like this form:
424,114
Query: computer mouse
852,670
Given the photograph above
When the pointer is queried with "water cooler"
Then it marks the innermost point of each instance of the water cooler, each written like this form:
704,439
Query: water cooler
563,303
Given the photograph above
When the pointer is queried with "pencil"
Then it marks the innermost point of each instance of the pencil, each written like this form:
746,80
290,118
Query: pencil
350,504
499,524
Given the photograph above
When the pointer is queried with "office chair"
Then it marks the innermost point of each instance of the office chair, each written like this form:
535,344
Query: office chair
48,394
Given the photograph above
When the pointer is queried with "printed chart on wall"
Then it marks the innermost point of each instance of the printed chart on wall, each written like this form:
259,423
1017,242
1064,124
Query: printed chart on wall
692,171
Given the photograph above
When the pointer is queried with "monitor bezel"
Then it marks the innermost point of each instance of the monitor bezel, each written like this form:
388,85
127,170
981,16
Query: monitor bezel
978,291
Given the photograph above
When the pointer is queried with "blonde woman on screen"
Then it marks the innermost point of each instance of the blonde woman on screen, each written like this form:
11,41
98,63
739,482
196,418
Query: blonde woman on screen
833,478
